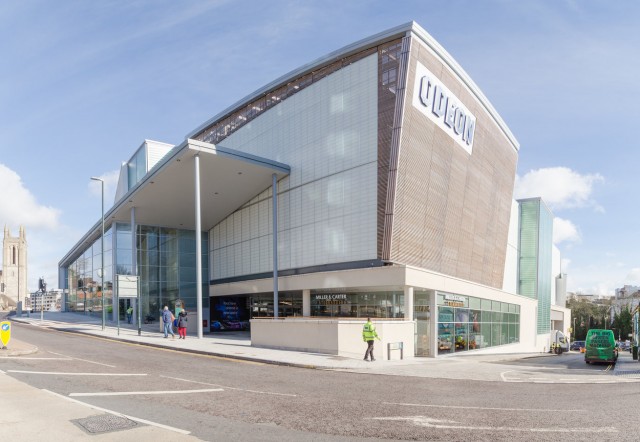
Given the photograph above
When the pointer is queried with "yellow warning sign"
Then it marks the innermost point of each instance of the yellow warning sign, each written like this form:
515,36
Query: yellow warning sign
5,333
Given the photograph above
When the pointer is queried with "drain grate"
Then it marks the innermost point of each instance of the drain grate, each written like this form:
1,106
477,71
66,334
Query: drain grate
105,423
627,372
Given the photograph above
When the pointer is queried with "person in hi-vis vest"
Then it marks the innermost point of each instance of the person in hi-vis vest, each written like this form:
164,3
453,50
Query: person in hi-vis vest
368,335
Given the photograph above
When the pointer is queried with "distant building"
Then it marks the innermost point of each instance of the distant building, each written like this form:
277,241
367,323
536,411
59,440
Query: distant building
51,300
627,296
13,277
626,290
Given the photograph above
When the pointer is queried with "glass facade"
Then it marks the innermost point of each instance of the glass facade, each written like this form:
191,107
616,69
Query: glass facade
535,260
166,266
358,305
289,304
84,279
469,323
137,166
221,129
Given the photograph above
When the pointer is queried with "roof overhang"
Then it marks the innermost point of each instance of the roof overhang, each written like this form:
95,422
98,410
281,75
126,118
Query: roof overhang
166,196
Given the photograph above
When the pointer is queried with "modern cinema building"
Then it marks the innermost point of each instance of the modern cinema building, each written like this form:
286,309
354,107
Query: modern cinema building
393,178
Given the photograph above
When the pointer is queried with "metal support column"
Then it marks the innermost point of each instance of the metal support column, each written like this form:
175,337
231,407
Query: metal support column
134,270
274,188
198,236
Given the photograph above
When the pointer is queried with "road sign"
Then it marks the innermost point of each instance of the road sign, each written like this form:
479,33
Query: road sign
5,333
127,286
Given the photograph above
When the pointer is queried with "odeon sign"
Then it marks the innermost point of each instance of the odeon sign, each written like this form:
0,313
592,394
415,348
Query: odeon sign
440,105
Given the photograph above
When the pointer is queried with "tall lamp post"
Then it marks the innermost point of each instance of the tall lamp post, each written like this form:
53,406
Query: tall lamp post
101,250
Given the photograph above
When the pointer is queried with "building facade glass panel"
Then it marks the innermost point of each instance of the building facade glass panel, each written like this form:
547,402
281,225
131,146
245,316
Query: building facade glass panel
461,328
167,272
327,134
384,304
535,260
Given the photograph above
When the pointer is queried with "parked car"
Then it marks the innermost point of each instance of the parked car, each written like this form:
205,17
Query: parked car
577,346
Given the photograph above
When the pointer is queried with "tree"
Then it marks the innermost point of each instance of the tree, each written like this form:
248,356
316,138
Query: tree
622,324
587,315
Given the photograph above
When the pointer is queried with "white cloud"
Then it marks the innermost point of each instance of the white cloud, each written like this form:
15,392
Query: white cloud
633,277
18,206
565,263
565,230
110,185
559,187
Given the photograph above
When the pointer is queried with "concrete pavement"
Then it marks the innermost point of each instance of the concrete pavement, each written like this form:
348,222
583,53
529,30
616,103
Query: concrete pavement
237,345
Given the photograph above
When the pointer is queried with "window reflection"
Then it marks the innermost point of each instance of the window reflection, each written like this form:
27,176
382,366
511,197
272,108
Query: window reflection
166,266
486,324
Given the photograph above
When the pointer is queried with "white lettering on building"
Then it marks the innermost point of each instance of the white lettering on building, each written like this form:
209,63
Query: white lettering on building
440,105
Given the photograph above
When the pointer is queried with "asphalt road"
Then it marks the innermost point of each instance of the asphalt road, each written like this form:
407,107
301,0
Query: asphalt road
222,399
567,362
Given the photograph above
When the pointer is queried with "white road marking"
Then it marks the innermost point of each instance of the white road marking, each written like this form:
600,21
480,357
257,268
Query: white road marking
2,372
83,360
132,393
230,388
425,421
43,359
115,413
460,407
503,375
57,373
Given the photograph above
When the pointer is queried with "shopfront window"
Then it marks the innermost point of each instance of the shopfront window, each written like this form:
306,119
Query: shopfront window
358,305
468,323
289,304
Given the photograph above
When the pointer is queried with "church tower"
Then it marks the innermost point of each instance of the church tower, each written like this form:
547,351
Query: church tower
14,267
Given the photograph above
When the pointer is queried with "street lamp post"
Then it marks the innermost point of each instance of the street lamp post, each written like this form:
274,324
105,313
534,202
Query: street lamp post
101,251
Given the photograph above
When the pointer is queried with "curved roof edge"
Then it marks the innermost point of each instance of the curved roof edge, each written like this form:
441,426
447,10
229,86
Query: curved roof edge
361,45
457,69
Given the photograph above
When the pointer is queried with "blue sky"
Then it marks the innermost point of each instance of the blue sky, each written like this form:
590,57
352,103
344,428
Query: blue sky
83,83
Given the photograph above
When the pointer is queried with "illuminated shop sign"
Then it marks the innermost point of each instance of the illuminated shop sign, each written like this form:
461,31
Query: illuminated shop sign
331,299
440,105
454,300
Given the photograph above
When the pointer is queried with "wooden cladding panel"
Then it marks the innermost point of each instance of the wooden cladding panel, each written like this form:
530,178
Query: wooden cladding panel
451,209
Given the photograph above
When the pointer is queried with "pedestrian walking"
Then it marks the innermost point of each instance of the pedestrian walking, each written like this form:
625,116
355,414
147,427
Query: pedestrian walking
129,314
167,321
368,335
182,324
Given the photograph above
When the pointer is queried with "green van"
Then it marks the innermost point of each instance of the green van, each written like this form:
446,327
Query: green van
600,347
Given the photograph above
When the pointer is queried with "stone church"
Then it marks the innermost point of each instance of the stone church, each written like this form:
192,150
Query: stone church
13,277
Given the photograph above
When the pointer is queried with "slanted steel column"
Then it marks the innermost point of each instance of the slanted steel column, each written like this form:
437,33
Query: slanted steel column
198,236
274,187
